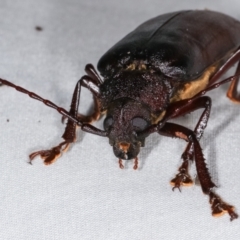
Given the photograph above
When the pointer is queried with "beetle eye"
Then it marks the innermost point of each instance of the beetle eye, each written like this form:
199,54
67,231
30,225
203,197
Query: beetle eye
107,123
139,123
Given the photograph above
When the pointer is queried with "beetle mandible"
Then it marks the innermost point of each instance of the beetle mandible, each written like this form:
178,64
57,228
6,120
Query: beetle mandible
158,72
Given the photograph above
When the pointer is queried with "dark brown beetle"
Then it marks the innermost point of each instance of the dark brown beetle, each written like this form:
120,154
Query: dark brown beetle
158,72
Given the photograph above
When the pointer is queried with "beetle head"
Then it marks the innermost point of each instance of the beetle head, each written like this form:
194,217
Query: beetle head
125,118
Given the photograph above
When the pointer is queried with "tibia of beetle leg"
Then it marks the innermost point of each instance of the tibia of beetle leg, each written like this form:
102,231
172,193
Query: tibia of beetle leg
219,207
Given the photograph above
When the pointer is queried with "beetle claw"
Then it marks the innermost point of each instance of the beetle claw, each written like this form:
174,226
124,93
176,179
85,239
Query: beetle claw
181,179
219,207
177,186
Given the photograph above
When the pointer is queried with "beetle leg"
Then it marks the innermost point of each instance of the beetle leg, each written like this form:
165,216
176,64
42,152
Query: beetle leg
188,154
69,134
183,178
218,206
202,102
92,83
91,71
232,92
175,130
93,78
94,116
234,58
51,155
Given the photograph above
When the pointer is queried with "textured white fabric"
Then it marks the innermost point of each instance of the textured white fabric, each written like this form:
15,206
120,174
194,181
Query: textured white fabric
84,195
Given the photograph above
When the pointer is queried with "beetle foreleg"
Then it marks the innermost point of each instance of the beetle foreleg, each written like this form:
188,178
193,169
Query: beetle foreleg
183,178
188,154
51,155
91,81
174,130
219,207
202,102
91,71
69,134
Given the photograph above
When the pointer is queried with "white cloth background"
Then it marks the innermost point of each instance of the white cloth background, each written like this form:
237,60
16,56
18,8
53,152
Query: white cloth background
84,195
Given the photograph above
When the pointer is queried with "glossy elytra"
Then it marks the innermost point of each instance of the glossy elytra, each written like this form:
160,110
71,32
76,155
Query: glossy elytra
158,72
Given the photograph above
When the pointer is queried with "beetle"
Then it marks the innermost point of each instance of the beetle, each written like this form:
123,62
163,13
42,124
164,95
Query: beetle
156,73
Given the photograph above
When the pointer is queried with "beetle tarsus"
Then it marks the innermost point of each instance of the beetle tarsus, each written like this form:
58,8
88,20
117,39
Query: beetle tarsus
50,156
219,207
182,178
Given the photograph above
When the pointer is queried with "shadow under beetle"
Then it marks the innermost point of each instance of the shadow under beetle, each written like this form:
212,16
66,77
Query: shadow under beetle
158,72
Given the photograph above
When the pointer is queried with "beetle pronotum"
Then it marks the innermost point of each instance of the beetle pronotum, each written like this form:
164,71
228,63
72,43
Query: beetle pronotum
158,72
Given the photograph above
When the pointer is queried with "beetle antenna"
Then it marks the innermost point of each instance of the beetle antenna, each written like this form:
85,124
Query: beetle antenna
45,101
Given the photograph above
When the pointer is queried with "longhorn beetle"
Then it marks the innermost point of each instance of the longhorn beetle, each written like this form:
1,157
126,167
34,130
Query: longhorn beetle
158,72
